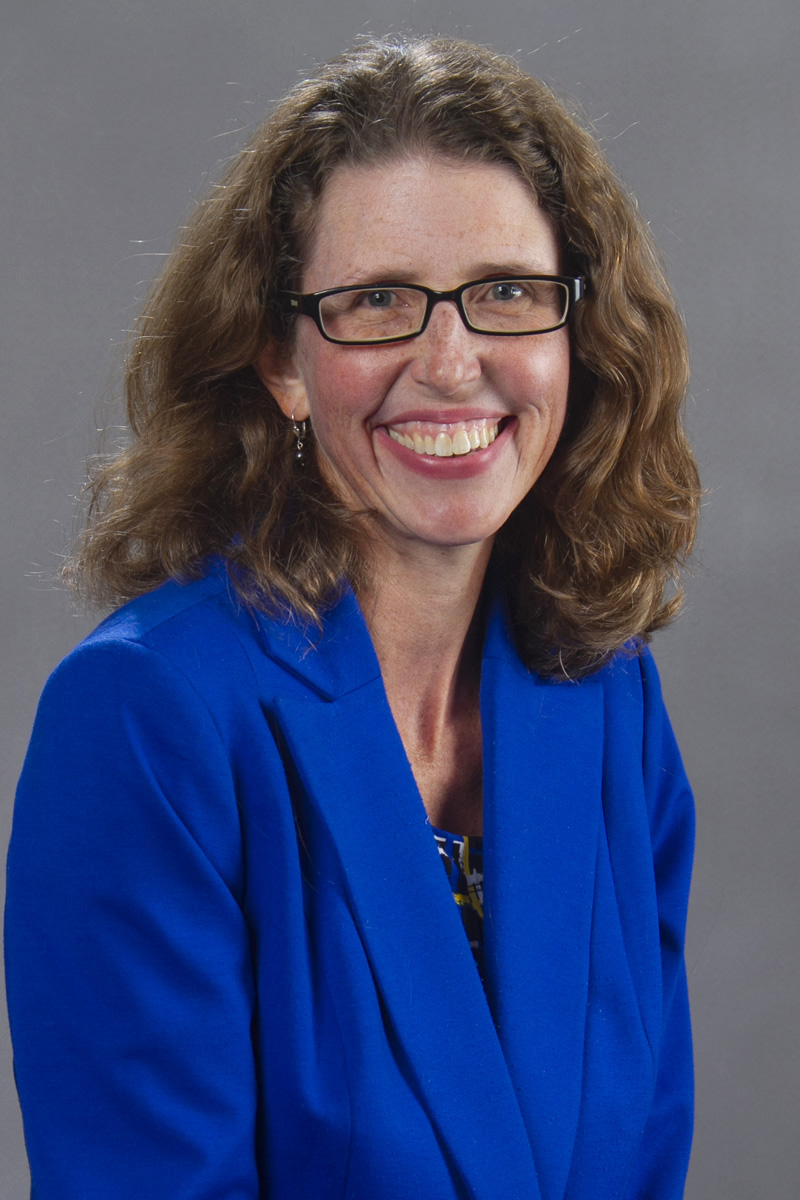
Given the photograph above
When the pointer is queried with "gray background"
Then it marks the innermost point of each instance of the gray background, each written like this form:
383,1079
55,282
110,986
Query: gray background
117,113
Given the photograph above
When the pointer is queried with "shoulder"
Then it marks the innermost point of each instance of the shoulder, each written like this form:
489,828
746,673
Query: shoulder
633,699
630,682
175,617
128,743
198,634
639,732
169,670
640,753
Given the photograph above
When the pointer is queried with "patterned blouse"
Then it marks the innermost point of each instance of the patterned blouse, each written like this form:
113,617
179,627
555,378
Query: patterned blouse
463,861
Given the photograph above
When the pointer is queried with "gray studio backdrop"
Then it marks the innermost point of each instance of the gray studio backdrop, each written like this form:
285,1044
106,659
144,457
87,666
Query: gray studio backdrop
116,115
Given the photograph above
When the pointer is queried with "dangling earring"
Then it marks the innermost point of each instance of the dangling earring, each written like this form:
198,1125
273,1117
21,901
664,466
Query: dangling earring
300,431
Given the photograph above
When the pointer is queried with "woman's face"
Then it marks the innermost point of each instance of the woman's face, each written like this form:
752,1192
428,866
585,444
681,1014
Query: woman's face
439,223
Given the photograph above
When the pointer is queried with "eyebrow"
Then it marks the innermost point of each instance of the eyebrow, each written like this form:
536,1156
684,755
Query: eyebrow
485,270
531,267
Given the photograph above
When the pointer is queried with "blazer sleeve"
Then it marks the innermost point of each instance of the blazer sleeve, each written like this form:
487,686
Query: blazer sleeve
129,976
663,1158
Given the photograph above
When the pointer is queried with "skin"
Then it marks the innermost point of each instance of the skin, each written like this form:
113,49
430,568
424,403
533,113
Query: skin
436,222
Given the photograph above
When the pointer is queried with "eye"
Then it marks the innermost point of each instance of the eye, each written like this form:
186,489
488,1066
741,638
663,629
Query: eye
506,291
379,298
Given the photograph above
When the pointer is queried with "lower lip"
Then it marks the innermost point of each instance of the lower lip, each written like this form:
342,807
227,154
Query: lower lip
456,466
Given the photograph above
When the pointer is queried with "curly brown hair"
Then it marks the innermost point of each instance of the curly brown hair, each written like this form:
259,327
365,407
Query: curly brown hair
588,557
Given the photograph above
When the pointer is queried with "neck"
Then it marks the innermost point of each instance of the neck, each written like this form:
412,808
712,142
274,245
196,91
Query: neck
422,613
425,618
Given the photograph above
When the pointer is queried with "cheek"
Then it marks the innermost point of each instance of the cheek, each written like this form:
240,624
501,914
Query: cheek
560,387
559,361
346,389
544,374
335,409
547,386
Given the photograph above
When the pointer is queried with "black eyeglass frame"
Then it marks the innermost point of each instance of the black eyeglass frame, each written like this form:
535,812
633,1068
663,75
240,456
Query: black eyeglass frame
308,304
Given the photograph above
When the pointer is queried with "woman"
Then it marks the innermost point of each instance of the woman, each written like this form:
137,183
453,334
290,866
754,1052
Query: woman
406,486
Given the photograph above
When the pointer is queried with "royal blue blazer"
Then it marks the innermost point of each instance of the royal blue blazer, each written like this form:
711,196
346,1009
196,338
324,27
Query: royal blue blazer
235,969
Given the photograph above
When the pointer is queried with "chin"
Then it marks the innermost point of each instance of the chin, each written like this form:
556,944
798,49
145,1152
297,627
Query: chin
456,533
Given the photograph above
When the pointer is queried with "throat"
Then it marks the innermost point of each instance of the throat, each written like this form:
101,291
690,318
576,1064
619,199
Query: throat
435,696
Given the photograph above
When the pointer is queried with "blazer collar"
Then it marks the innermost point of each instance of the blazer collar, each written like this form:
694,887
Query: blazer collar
542,802
334,660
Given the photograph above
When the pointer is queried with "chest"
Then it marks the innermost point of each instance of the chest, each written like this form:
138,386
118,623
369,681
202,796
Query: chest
449,774
365,983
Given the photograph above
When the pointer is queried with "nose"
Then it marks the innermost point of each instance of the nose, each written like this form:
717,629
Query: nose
446,352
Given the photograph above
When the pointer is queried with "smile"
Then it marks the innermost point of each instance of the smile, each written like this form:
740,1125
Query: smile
444,440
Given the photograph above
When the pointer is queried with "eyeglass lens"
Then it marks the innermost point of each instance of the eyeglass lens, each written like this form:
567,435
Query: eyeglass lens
507,306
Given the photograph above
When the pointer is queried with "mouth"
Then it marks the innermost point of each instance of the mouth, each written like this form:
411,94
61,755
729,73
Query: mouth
446,439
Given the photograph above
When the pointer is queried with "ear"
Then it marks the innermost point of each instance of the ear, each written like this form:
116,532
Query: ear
281,376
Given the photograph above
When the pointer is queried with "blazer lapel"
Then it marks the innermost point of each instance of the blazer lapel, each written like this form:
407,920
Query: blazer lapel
542,808
352,765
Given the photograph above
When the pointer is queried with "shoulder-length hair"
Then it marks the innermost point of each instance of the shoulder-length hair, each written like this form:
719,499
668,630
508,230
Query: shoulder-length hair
588,557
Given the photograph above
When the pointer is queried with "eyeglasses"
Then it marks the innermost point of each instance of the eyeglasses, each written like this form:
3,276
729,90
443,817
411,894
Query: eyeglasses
502,307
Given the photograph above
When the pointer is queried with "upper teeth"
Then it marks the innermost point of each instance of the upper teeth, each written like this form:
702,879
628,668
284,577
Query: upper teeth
446,440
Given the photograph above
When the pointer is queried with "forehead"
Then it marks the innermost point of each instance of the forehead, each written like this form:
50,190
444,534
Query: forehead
428,220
